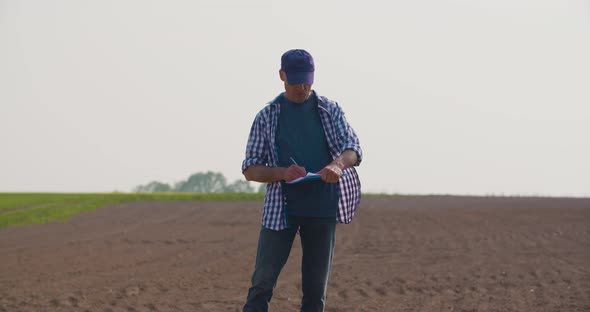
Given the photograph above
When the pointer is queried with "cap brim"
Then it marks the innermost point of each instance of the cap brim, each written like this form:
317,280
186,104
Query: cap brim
300,78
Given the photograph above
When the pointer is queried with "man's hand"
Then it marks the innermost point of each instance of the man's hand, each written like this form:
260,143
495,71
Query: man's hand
293,172
332,172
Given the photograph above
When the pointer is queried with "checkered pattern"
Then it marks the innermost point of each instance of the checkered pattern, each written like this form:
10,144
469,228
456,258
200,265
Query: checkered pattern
261,150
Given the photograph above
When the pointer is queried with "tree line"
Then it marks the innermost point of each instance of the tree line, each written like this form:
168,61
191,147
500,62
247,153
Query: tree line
201,182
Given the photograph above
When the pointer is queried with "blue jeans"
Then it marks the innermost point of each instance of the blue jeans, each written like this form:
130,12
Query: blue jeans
317,243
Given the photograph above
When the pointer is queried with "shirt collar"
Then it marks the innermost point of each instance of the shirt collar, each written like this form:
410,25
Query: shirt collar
320,100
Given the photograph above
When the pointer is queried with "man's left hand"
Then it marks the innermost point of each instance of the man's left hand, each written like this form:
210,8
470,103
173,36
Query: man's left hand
332,172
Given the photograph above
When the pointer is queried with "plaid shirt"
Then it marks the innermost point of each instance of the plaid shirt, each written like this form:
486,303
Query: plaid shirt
262,150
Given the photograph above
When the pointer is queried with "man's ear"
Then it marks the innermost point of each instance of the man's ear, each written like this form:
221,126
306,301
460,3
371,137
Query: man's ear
282,75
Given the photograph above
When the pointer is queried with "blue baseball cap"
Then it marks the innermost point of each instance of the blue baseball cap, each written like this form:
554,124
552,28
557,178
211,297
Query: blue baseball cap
299,67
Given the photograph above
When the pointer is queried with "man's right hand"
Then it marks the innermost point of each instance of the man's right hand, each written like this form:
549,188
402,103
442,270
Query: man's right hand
293,172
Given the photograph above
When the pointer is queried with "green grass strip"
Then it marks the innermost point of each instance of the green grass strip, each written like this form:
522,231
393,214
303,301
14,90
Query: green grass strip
30,208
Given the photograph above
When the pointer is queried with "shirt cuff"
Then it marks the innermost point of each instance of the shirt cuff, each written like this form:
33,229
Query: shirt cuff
252,161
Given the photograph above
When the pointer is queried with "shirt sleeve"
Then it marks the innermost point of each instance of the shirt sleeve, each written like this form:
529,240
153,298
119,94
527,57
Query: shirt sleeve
257,147
347,138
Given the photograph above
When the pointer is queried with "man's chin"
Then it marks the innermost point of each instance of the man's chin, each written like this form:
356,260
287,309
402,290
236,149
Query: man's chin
302,98
298,98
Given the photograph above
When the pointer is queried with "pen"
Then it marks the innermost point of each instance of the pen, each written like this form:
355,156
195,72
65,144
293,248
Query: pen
293,160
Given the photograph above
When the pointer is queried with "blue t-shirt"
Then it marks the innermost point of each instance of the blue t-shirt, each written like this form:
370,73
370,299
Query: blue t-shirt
301,136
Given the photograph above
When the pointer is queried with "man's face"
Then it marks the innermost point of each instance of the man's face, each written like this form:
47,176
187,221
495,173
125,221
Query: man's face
297,93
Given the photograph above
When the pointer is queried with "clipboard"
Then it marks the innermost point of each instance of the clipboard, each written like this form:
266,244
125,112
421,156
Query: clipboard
309,177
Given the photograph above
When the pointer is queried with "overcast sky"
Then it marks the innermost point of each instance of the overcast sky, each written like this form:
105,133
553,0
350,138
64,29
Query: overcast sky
454,97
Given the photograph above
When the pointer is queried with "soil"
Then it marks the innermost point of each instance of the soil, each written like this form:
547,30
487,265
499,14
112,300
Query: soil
407,253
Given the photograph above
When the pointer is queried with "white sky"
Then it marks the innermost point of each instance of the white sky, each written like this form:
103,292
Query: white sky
454,97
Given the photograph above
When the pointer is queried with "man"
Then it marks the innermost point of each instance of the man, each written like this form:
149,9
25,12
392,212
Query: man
296,133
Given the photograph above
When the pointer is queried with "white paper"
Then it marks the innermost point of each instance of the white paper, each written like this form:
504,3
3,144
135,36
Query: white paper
309,176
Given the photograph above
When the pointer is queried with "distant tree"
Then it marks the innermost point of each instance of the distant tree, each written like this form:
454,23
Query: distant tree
239,186
262,188
209,182
177,186
153,187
